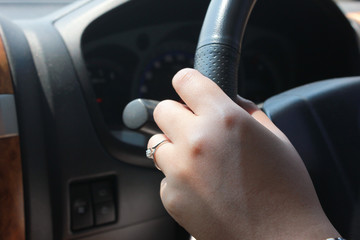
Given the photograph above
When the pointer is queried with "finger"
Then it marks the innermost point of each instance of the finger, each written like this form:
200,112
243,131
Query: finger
169,196
163,185
246,104
260,116
155,139
172,118
163,148
198,92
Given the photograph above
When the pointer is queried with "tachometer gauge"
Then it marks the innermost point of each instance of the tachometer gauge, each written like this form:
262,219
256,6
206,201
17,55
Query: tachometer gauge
155,79
111,87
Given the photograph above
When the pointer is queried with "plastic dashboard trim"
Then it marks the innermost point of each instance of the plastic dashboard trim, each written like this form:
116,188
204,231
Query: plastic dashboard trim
71,34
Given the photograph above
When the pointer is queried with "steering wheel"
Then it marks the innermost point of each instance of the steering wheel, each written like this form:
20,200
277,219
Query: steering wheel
218,52
217,57
320,119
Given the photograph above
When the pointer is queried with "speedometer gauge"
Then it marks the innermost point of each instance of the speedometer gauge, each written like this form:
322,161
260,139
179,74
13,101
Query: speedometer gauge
155,80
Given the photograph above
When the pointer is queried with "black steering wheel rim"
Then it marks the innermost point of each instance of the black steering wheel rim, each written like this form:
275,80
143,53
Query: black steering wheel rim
219,47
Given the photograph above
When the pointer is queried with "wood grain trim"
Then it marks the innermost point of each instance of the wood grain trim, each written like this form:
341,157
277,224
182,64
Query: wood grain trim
12,216
6,86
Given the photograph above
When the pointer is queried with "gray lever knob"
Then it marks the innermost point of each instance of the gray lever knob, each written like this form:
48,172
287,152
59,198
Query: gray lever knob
138,115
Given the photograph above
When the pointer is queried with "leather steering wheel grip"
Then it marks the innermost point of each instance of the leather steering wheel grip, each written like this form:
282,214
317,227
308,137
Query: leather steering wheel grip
218,52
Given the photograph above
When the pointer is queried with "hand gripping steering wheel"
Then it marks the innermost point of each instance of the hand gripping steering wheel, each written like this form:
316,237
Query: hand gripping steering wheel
217,57
322,120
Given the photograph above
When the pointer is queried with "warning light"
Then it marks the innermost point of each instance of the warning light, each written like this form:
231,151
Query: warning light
99,100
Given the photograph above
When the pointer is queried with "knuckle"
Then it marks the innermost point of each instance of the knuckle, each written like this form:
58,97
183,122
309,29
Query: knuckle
198,143
228,117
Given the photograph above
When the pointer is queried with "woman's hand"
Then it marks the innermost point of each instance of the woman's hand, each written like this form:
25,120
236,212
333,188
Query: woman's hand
230,172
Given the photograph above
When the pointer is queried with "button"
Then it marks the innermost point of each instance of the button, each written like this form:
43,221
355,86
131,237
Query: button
102,191
104,212
81,208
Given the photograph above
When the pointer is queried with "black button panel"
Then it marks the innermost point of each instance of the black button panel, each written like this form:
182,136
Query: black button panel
92,203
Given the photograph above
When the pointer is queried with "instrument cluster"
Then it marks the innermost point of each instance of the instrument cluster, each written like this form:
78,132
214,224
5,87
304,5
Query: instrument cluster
140,63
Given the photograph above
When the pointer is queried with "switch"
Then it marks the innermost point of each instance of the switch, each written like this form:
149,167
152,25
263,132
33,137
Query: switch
104,204
102,191
81,207
104,212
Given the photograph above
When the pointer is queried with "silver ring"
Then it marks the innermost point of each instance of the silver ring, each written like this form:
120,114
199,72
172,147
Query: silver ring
150,152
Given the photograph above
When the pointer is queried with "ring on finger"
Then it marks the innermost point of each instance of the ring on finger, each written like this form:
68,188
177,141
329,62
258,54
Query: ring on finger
150,152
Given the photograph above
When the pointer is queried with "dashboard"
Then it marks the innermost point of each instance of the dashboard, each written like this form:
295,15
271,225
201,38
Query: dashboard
138,58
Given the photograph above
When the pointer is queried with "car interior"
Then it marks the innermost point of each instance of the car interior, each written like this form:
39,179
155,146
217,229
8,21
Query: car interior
69,166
